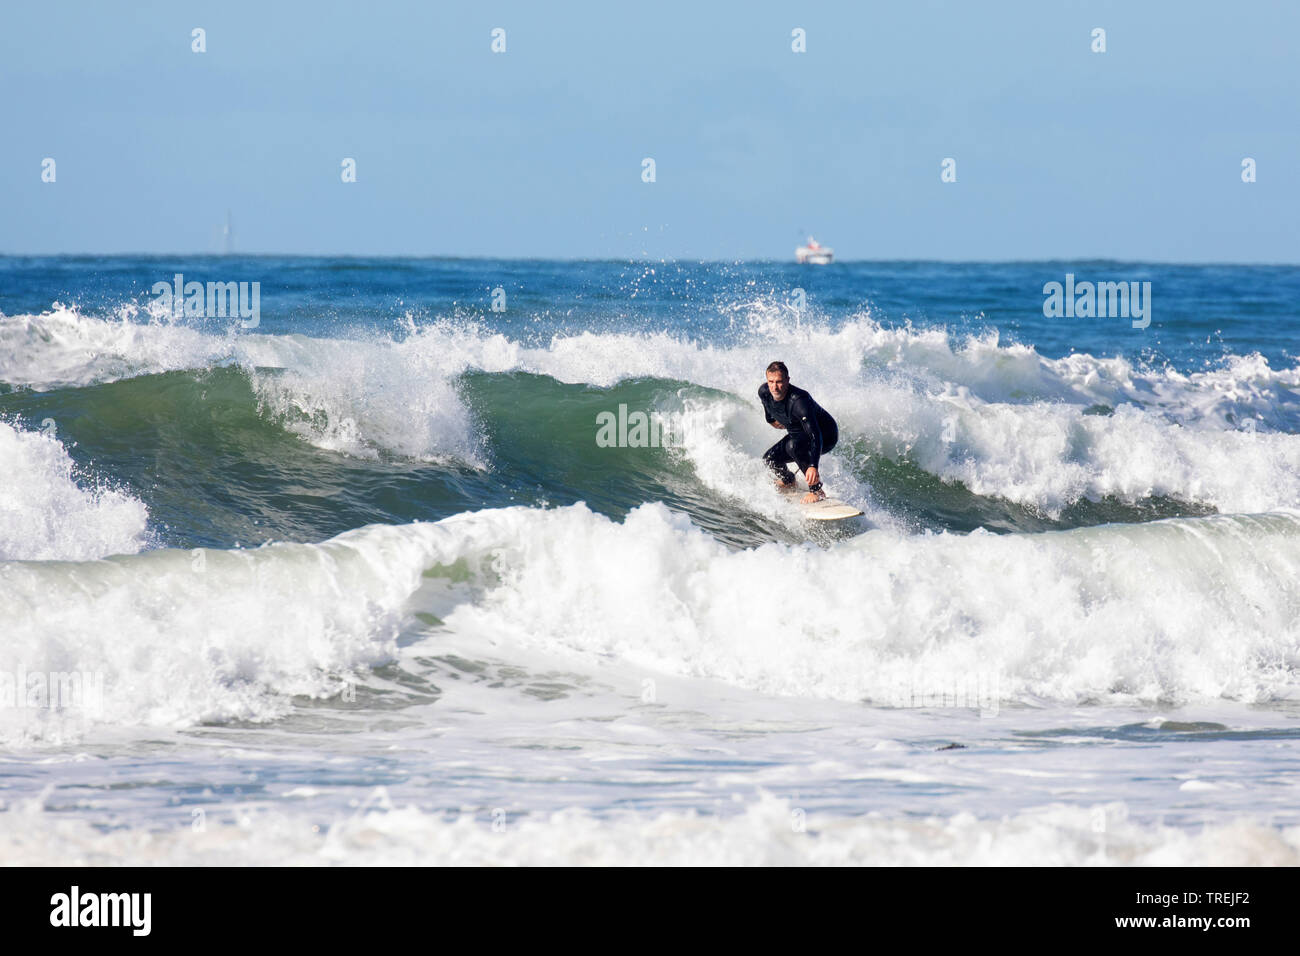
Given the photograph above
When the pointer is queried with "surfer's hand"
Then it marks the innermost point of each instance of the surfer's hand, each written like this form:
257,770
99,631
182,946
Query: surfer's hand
812,476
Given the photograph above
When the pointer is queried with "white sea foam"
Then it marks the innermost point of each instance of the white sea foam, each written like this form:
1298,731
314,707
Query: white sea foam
1181,610
50,512
205,635
766,831
64,348
1185,609
363,399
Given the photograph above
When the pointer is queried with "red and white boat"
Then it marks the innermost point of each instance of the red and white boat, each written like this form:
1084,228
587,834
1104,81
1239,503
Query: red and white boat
814,254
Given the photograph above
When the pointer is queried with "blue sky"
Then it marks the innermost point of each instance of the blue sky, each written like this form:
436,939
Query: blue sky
1061,152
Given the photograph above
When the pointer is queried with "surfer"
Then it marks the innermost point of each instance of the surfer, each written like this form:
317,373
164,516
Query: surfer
812,431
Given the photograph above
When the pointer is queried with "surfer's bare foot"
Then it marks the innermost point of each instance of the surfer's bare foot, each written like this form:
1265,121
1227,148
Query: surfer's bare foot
786,486
813,496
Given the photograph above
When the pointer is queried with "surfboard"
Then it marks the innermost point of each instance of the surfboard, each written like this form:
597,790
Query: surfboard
828,509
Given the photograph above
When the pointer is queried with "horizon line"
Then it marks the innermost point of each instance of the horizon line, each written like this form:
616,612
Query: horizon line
629,259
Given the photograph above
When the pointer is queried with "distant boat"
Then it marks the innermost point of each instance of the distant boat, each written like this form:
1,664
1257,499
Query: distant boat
814,254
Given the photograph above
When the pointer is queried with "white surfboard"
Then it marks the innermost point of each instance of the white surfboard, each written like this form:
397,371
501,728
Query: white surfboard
828,509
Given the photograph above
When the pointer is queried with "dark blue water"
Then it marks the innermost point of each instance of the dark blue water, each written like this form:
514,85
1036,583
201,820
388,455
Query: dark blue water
1199,313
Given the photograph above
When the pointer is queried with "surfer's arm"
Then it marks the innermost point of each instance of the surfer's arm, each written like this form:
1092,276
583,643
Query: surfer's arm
807,420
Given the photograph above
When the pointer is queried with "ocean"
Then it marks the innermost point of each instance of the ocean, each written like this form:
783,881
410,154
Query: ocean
351,578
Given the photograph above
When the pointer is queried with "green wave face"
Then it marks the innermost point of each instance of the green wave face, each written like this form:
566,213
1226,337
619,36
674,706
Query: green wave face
217,466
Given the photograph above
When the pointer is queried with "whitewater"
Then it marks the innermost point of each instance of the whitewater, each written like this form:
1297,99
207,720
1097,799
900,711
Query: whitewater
361,587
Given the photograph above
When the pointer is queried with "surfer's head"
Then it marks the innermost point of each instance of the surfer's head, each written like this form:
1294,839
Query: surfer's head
778,380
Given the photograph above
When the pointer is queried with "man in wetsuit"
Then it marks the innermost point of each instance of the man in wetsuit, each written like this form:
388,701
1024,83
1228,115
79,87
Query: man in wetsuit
812,432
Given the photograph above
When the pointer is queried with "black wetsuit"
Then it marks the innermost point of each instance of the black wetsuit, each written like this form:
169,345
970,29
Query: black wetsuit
810,430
